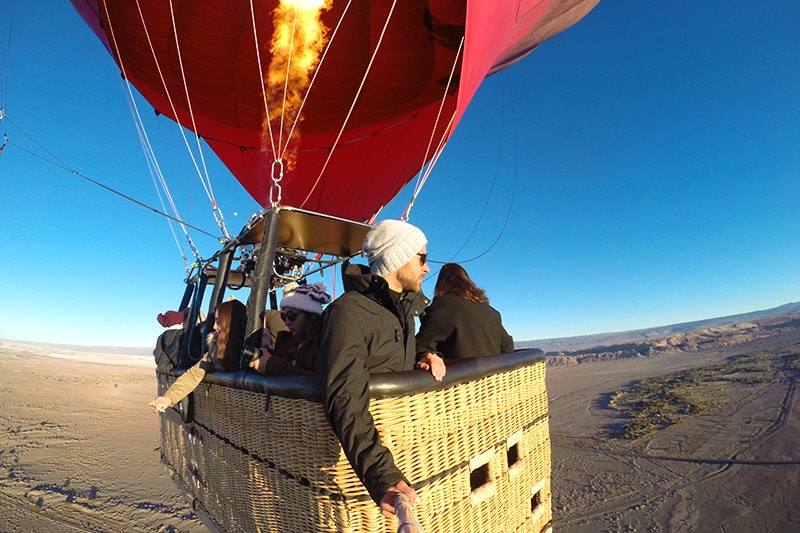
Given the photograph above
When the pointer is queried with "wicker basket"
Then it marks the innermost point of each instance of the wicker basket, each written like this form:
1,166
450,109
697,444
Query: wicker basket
257,454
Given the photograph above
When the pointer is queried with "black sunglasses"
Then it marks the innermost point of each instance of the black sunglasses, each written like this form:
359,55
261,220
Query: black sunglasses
422,259
290,316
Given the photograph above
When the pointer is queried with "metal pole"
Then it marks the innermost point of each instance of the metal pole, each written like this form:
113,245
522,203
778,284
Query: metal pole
187,295
193,343
406,521
221,280
263,273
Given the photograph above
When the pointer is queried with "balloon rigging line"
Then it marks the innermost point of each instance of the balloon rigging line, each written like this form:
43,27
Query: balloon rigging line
57,162
157,176
261,76
316,71
491,188
423,174
5,49
513,190
190,197
163,151
152,161
206,186
150,157
513,186
280,151
429,168
209,193
352,105
215,208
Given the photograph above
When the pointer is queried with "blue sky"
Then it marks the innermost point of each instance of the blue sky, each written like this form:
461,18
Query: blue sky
639,169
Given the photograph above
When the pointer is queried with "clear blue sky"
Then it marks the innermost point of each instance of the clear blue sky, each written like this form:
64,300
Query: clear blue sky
649,158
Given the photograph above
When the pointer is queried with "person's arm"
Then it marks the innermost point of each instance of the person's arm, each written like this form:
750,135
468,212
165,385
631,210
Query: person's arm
388,500
434,330
434,363
345,376
275,324
507,342
183,386
275,365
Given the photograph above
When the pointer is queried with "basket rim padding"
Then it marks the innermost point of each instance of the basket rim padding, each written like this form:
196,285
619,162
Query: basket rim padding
382,385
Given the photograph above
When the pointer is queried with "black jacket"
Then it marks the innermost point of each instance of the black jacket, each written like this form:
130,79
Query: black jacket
459,328
368,329
168,350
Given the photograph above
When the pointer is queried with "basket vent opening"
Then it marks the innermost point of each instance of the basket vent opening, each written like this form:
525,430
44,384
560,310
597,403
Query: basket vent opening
513,455
482,482
540,499
479,477
537,502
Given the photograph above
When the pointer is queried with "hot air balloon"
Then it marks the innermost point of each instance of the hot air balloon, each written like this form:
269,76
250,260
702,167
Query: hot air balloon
323,110
385,88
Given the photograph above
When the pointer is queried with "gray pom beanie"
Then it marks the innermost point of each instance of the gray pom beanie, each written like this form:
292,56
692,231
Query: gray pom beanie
390,244
309,298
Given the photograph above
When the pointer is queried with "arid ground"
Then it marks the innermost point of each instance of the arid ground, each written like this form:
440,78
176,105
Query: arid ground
79,447
733,467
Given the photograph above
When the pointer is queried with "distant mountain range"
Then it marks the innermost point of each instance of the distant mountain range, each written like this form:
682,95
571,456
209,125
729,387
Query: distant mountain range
76,348
585,343
634,341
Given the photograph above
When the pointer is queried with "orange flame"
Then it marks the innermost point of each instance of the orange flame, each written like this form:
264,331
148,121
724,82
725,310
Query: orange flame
297,42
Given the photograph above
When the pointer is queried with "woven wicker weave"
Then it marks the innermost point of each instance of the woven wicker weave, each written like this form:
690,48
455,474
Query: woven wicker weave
255,461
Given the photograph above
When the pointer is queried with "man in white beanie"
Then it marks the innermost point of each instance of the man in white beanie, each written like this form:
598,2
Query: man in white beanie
370,329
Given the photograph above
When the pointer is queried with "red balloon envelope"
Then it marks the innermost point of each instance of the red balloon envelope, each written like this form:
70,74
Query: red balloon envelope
381,100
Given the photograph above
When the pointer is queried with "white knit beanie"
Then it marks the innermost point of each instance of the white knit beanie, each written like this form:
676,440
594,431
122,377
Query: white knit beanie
390,244
308,298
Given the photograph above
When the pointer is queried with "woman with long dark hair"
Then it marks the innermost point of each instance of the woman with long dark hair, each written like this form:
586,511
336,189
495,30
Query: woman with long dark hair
224,353
460,323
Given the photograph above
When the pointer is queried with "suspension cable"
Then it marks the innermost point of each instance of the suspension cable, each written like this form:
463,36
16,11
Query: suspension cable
113,42
286,82
422,177
427,170
152,161
279,151
513,190
9,9
215,210
158,177
57,162
5,135
261,75
352,105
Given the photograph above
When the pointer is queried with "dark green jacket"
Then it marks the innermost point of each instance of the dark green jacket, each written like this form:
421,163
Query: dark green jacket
369,329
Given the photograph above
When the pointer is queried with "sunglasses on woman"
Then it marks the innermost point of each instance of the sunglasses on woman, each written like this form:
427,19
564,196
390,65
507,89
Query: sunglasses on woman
290,315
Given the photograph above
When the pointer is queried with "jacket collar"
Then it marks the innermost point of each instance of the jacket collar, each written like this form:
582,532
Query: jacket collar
358,278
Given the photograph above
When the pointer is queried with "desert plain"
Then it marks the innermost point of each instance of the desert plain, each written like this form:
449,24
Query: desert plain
733,467
79,449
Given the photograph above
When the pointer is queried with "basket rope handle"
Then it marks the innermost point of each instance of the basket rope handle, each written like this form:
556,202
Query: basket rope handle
407,522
